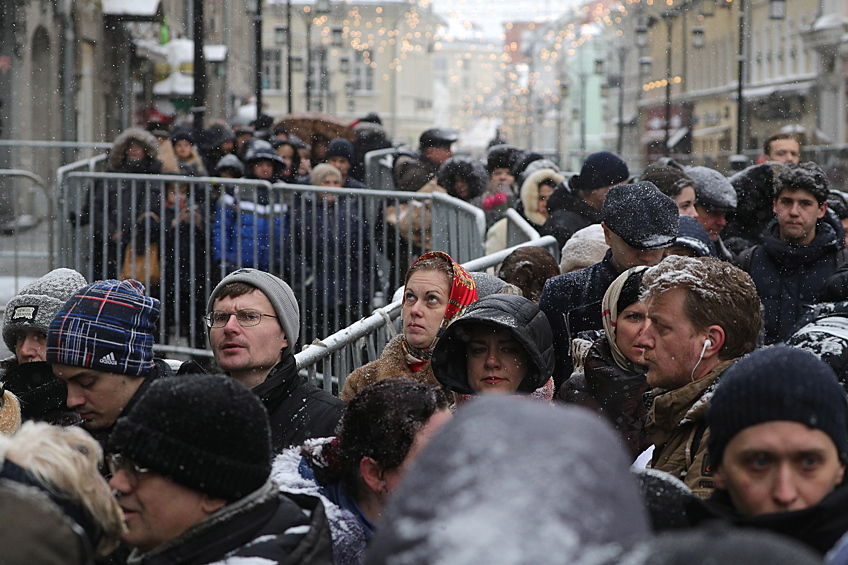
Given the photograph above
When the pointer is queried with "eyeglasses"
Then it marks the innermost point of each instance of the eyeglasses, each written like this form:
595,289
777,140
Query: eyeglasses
245,318
117,462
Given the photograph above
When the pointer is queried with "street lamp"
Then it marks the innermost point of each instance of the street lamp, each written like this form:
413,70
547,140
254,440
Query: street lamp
698,39
254,8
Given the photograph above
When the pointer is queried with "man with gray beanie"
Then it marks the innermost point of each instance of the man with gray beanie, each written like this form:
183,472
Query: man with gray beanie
639,222
26,321
100,344
715,199
191,466
778,446
254,322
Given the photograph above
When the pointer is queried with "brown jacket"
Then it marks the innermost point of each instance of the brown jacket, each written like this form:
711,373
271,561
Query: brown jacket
391,363
677,426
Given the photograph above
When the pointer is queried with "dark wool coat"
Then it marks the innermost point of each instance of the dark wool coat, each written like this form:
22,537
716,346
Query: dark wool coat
790,277
392,363
265,525
298,410
569,213
610,390
819,526
572,303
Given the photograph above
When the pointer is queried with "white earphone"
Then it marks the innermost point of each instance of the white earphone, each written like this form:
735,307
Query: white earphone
707,344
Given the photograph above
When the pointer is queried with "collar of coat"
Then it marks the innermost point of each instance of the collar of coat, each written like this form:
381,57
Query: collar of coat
685,405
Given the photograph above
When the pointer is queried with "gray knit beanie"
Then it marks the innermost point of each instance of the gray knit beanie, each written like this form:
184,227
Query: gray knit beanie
278,292
36,304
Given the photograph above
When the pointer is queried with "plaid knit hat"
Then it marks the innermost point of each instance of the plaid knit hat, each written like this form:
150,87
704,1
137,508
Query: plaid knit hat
275,289
777,384
106,326
206,432
36,304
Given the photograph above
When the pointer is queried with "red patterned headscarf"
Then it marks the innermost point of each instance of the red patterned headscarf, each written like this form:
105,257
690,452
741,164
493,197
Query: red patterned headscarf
463,293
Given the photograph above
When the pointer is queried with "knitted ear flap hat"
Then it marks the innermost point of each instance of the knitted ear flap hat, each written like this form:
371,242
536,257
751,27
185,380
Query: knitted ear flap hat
206,432
35,305
106,326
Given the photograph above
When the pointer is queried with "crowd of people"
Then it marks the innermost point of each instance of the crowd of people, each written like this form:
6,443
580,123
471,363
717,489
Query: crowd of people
677,383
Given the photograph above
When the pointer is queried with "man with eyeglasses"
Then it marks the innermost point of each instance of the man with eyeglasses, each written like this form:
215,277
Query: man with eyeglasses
191,466
100,344
254,322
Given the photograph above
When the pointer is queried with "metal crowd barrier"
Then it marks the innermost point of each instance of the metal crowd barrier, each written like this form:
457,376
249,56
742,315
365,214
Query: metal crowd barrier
180,235
332,359
26,234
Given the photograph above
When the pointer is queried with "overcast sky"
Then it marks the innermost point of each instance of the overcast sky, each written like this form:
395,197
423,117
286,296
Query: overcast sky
487,13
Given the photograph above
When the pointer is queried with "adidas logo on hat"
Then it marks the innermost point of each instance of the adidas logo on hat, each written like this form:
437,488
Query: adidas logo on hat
109,359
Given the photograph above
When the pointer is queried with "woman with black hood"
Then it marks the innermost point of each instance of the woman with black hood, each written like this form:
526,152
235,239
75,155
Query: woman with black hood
501,345
463,177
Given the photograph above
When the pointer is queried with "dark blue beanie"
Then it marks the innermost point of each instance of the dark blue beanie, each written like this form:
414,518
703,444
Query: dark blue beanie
600,170
340,148
694,236
777,384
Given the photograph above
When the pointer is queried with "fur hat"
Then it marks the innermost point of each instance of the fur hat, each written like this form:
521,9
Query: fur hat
275,289
36,304
586,247
206,432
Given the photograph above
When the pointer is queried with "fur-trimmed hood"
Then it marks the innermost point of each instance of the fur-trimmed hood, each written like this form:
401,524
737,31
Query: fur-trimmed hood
123,141
530,193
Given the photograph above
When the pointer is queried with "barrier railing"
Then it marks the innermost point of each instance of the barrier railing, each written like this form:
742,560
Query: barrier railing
332,359
341,249
26,239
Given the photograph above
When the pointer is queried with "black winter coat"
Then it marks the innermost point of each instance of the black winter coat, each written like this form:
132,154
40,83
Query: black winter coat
569,213
790,277
819,526
298,409
607,388
265,525
572,303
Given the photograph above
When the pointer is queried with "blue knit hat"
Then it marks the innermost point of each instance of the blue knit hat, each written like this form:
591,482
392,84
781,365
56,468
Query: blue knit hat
340,147
695,237
600,170
777,384
106,326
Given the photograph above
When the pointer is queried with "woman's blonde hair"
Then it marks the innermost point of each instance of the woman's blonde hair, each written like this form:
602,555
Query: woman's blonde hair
66,463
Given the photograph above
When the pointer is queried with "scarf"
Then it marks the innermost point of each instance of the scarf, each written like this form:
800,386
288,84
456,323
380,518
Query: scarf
610,312
463,292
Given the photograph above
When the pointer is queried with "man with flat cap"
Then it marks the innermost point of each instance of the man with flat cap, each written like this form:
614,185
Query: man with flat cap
435,149
639,222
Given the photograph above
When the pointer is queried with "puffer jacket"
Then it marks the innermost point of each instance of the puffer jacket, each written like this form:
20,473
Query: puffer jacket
245,229
521,317
790,277
265,526
677,426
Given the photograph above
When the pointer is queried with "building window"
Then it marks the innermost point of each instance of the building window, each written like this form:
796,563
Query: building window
272,69
363,72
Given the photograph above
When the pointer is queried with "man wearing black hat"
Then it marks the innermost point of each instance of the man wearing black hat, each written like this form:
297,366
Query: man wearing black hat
435,149
802,247
778,446
340,155
639,223
703,314
191,466
577,203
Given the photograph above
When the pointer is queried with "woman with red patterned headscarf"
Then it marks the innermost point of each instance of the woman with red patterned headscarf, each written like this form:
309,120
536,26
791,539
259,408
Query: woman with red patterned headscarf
436,290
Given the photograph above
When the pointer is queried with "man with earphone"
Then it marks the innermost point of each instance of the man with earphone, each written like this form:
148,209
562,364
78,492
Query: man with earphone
703,314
